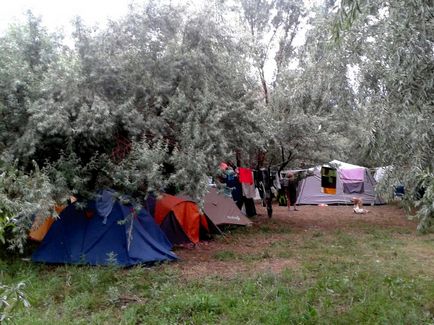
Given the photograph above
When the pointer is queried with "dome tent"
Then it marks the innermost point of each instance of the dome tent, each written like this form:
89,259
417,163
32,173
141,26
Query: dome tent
104,232
181,220
222,210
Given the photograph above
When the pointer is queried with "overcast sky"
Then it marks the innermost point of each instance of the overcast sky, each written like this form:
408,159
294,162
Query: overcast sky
57,13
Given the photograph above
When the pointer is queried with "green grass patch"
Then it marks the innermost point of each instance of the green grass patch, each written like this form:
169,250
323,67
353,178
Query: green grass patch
342,277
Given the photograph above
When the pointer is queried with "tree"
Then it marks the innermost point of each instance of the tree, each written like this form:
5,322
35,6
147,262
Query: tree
157,98
395,90
271,27
27,52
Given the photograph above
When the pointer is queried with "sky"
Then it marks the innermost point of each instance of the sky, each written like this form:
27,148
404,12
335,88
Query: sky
58,13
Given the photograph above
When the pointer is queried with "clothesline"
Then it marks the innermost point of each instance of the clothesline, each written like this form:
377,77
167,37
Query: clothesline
295,170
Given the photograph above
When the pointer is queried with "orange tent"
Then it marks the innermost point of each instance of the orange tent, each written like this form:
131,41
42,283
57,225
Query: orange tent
38,230
181,220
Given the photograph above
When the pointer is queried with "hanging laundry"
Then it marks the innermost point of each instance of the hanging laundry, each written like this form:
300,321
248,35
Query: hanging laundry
249,190
352,175
350,188
257,175
245,175
230,175
233,186
237,191
276,182
265,182
249,206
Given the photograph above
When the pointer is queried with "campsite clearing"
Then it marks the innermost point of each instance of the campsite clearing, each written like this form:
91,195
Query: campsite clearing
280,242
319,265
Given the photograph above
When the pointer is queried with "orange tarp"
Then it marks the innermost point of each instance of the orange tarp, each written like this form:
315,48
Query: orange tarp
38,230
186,212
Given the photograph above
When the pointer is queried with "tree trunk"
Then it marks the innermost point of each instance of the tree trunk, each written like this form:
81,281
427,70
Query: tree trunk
264,85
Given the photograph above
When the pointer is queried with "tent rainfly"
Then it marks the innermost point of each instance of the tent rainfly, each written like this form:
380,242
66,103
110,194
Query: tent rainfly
181,220
222,210
104,232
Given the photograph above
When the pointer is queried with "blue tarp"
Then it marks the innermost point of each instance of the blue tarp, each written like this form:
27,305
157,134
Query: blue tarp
122,237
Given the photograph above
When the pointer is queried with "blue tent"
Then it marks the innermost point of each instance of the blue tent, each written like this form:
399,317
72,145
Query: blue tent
104,232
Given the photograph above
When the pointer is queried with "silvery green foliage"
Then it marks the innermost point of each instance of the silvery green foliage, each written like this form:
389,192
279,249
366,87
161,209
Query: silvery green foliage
194,95
303,104
22,197
11,297
169,90
270,27
309,101
177,92
425,203
141,170
26,53
394,47
70,175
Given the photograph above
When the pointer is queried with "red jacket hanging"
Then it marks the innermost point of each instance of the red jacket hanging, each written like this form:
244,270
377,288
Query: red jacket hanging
246,175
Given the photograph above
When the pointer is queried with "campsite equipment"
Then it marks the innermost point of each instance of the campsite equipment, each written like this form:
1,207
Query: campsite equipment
398,192
104,232
351,180
281,198
222,210
181,220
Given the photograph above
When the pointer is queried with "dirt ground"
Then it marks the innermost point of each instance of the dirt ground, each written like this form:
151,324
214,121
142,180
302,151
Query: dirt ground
333,217
293,226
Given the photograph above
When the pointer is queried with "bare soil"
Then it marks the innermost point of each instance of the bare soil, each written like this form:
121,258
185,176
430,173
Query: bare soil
293,226
333,217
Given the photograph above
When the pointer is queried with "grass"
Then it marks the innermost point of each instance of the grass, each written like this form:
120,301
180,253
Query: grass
372,276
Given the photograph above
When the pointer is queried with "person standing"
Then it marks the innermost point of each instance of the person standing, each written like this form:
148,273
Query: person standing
291,190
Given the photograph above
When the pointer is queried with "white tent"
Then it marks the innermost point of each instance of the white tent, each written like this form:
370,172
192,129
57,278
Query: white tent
351,181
